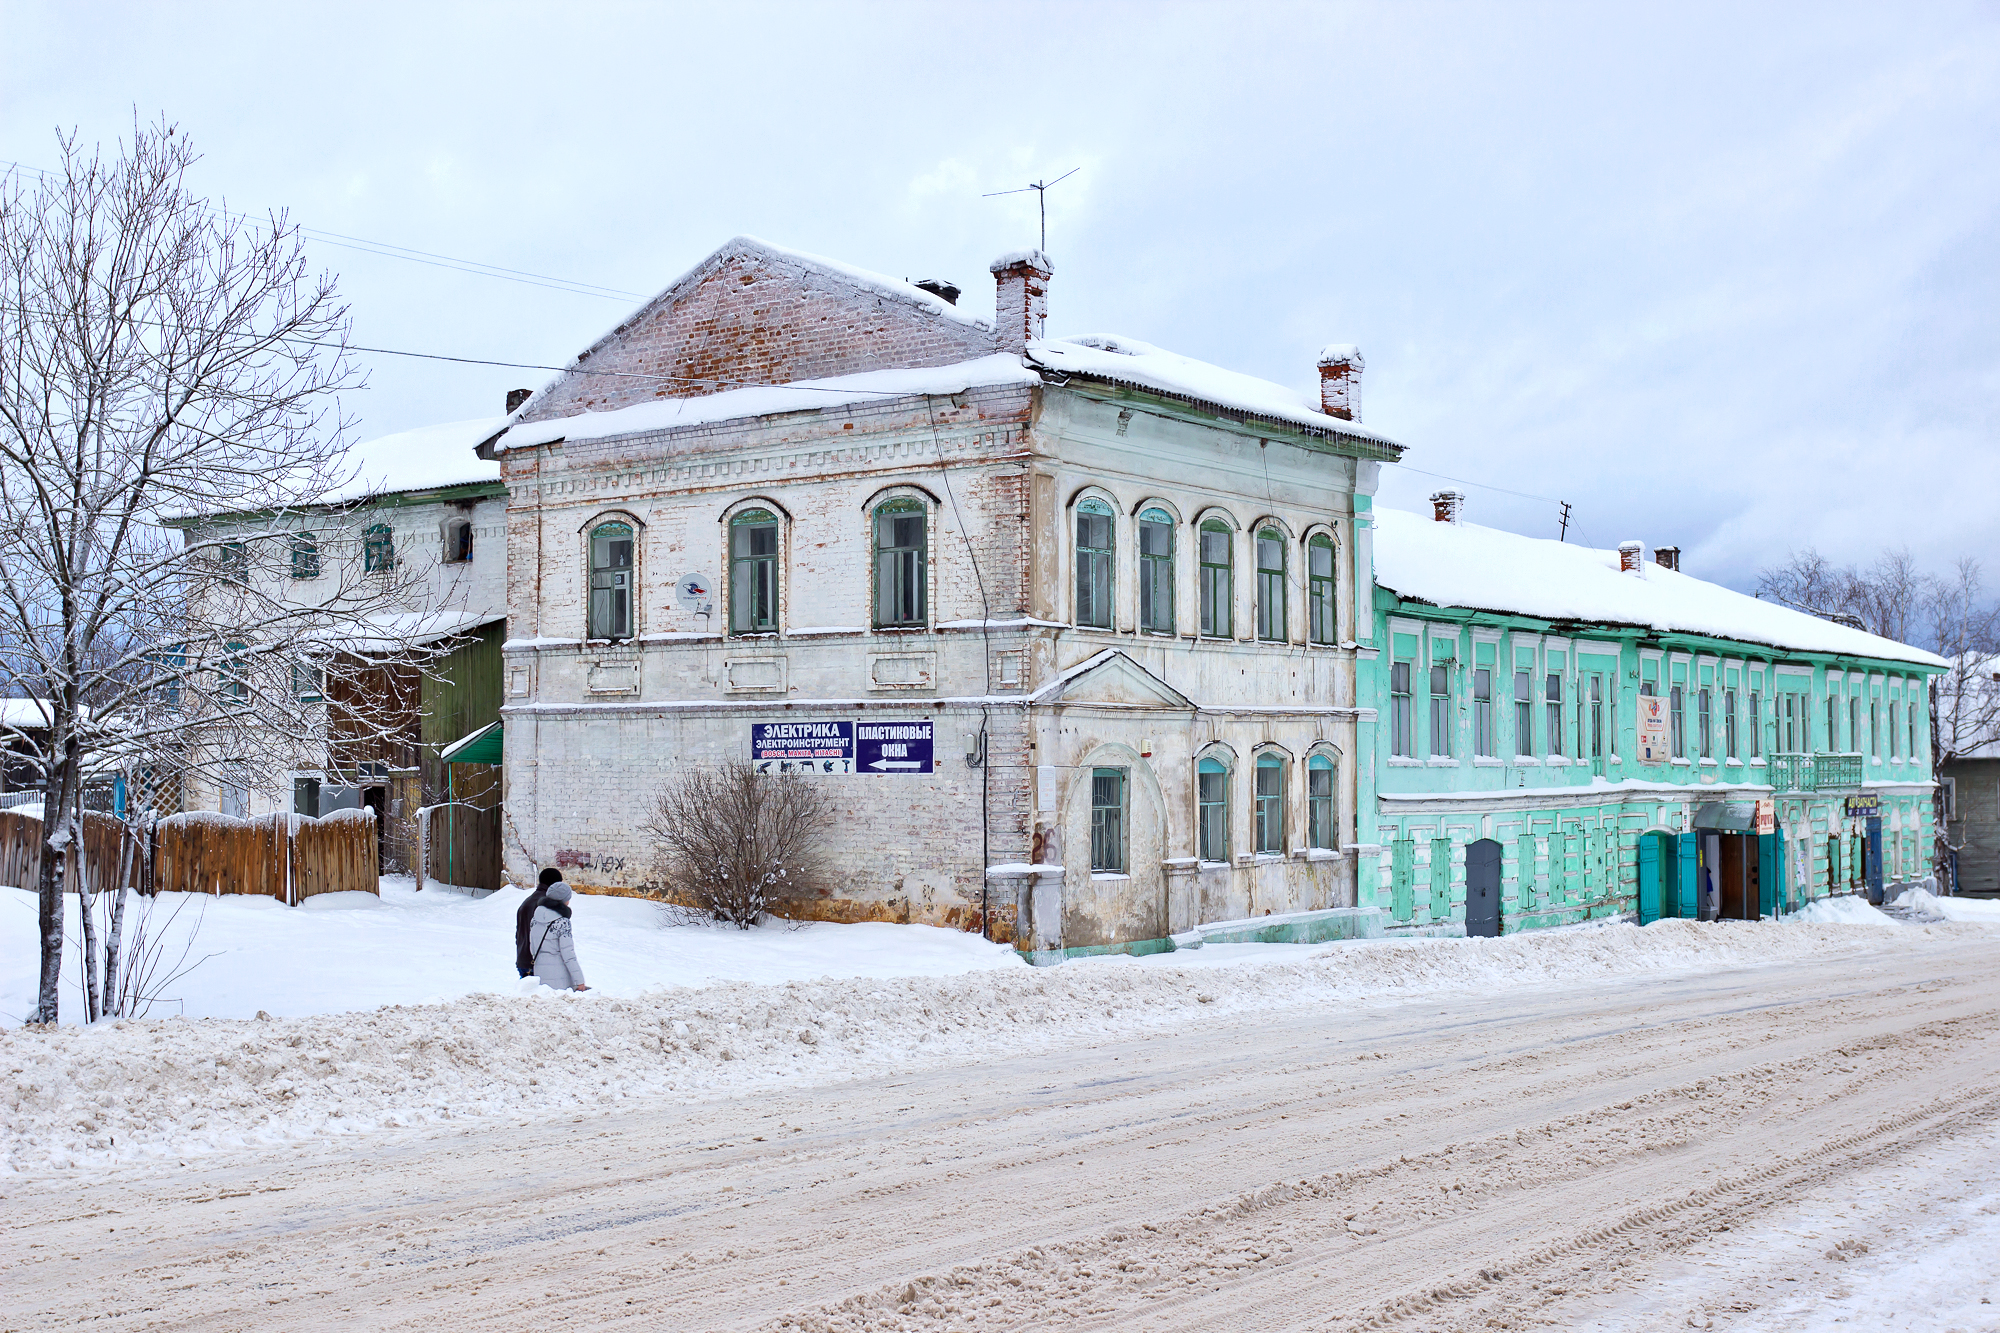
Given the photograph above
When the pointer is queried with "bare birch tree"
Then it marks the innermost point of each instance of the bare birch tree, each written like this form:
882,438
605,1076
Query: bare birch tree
170,432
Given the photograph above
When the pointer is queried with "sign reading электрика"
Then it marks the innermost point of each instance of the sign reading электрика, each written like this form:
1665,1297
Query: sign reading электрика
886,748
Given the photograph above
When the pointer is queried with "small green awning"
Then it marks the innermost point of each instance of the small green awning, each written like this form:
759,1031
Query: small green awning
481,747
1727,816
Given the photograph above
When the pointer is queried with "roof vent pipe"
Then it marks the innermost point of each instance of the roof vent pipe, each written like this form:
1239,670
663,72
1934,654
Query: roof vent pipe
1667,557
1446,505
515,397
1340,367
1631,557
938,287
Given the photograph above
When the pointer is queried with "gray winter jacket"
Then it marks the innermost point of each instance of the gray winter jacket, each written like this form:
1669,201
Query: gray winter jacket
553,950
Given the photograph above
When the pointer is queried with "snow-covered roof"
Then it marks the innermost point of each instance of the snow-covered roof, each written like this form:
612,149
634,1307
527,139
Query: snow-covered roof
766,400
423,459
26,714
1142,365
1462,564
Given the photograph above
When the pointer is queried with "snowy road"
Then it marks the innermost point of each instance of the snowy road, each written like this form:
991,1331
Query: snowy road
1582,1157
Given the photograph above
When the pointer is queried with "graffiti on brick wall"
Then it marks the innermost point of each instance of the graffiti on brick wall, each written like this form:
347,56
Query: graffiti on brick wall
570,858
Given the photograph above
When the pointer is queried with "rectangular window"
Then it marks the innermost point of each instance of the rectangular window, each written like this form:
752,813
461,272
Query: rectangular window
1704,724
1482,712
611,582
900,550
1553,698
1524,713
1729,724
1320,829
1894,752
1441,719
1875,728
1788,722
1677,721
308,682
1212,800
305,555
1597,717
1854,724
235,560
1093,565
753,573
1401,743
1217,589
1107,820
1320,592
1832,723
1271,586
1756,720
1156,572
1911,715
1270,804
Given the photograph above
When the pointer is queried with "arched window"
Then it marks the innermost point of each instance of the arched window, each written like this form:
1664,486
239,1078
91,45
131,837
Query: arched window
1321,830
753,572
900,556
1270,812
458,541
1212,810
1156,572
1319,592
1217,586
611,581
305,555
1271,585
1093,564
378,548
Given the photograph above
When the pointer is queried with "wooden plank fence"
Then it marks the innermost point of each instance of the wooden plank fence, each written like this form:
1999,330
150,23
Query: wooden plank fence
287,857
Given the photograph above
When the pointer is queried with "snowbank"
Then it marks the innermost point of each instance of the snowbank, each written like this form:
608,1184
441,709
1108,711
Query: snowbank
162,1089
1976,911
1846,910
1463,564
338,953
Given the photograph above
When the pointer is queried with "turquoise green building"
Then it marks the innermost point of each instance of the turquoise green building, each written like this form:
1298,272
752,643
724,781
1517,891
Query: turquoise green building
1563,734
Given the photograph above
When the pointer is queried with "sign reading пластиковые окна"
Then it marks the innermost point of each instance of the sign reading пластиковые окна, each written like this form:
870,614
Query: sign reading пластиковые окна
802,747
901,746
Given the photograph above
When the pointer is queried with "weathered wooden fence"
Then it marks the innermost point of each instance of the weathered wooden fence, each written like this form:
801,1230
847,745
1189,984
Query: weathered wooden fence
287,857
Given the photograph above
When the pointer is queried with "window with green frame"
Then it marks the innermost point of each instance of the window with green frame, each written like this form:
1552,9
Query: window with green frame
233,673
1107,820
1321,830
611,549
1270,812
901,551
1271,585
753,572
378,548
1212,810
1156,572
1325,626
1093,564
1218,590
305,555
308,682
234,558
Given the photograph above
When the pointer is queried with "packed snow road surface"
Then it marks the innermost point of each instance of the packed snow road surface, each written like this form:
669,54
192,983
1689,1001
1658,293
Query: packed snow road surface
1530,1154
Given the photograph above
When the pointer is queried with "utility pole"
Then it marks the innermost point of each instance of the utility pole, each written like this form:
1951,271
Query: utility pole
1041,188
1563,534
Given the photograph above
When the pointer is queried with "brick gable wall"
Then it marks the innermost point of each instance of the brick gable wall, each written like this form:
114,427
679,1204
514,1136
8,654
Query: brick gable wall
752,316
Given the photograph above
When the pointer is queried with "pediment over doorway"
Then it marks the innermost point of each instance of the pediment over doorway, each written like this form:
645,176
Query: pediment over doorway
1114,680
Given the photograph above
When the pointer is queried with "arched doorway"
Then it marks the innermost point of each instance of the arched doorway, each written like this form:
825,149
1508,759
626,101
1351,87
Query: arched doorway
1482,888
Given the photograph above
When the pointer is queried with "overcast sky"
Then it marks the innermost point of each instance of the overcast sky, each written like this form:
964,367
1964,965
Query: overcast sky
1722,277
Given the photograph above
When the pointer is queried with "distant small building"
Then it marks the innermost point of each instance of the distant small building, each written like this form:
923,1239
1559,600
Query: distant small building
1968,719
1564,733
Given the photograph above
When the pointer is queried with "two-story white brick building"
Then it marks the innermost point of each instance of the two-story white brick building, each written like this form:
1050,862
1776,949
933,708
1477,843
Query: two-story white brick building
1113,588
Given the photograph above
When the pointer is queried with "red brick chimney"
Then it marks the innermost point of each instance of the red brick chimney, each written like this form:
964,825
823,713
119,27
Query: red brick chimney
1020,298
1667,557
1340,368
1631,557
1447,505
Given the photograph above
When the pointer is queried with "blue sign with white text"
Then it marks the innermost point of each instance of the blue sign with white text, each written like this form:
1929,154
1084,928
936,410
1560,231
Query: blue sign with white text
802,747
902,746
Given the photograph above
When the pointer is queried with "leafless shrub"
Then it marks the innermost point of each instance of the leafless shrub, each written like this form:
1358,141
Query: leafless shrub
733,844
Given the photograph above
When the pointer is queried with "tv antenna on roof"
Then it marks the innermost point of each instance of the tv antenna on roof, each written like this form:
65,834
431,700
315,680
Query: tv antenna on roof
1041,188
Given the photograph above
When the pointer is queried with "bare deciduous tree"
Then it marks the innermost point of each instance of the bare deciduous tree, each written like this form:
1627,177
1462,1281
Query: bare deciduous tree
169,381
733,844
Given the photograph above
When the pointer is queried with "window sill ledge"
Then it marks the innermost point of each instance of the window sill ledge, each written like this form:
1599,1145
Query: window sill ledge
1315,855
1403,761
1527,761
1488,761
1681,763
1441,761
1108,876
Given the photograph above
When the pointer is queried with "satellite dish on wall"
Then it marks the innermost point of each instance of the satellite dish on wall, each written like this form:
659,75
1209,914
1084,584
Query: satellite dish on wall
696,593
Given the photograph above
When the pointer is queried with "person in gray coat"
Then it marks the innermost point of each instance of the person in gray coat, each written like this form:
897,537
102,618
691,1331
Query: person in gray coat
549,941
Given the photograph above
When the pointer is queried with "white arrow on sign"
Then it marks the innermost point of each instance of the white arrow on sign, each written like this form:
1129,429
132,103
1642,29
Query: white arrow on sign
897,763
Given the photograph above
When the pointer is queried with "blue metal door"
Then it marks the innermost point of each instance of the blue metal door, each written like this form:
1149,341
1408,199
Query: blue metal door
1649,879
1875,859
1770,873
1687,863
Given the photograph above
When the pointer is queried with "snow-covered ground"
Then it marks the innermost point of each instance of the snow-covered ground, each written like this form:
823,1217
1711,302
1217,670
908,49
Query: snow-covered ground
350,951
690,1012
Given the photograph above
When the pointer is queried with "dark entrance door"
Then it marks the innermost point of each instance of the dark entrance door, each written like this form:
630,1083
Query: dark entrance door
1874,859
1482,888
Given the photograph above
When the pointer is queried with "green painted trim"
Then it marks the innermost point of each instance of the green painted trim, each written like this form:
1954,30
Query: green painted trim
1335,923
1236,420
1135,948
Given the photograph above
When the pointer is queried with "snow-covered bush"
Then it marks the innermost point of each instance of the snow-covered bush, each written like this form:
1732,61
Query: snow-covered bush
733,844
